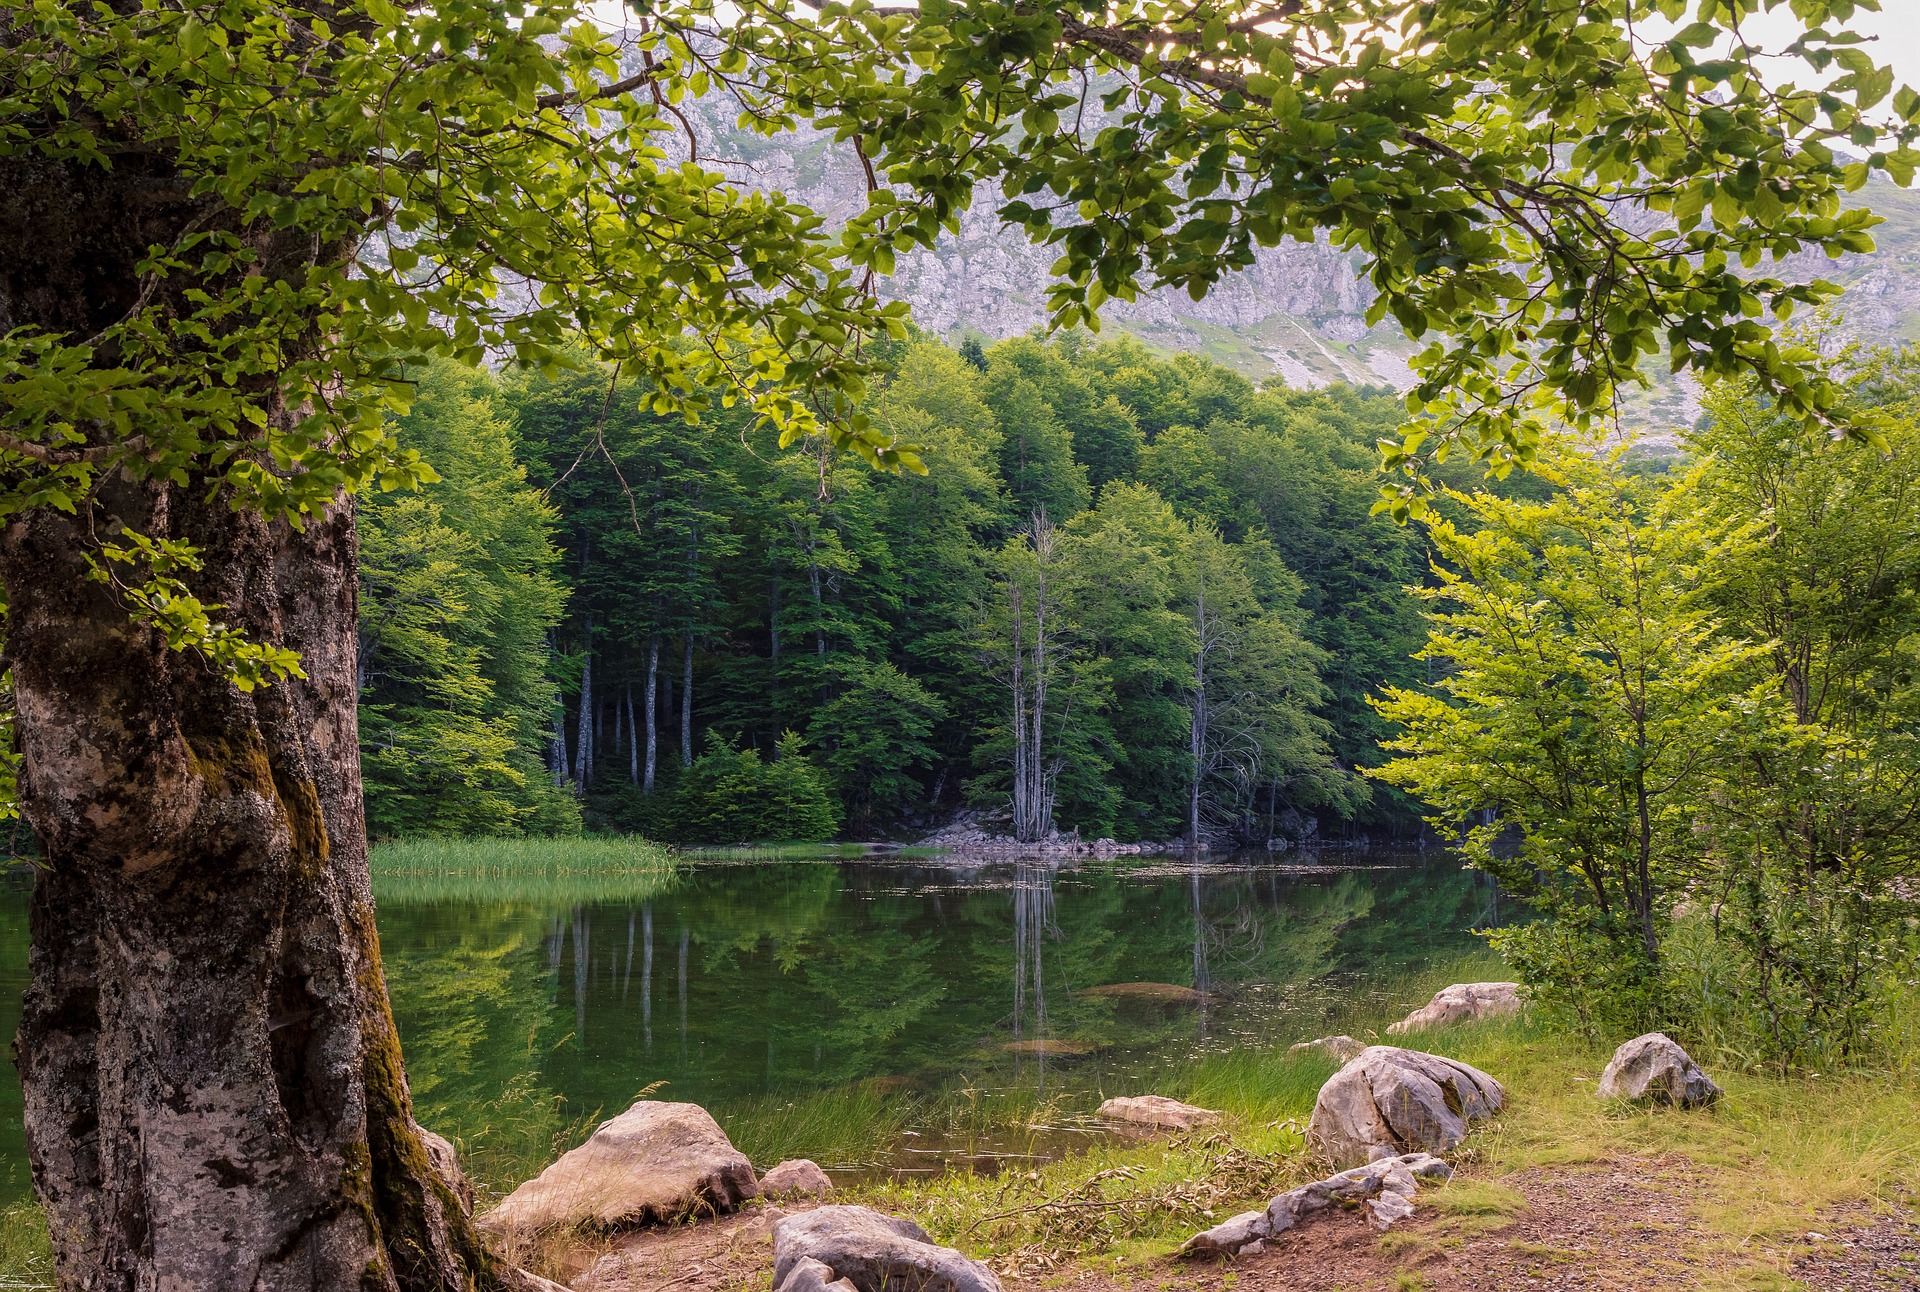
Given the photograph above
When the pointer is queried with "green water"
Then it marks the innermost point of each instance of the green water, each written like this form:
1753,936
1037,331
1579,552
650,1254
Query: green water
847,1007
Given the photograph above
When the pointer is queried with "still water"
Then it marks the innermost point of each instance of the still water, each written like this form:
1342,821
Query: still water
791,995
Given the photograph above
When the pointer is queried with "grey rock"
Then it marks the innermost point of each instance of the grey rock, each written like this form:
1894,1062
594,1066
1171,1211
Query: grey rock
809,1275
874,1253
1228,1237
1654,1069
1405,1099
446,1164
1463,1002
799,1178
1156,1111
1385,1188
1341,1048
654,1163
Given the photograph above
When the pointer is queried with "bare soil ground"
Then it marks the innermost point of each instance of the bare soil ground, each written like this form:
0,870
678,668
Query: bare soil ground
1619,1226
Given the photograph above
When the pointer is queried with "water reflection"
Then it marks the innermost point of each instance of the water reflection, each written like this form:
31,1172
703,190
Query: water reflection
859,980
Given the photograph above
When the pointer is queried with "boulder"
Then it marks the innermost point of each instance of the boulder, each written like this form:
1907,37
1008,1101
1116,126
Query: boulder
1384,1187
1464,1002
1654,1069
654,1163
1157,1111
870,1251
1340,1048
446,1164
799,1178
1404,1100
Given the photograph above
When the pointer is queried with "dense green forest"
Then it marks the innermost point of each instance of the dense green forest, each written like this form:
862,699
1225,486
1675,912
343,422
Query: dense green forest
1132,596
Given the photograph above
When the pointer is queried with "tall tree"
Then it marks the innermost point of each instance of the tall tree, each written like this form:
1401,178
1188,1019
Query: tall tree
457,596
1814,830
268,217
1588,695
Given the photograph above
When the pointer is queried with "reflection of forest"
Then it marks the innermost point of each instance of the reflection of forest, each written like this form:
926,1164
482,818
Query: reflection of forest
741,980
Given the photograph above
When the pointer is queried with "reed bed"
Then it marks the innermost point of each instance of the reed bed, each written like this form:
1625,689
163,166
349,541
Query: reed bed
546,871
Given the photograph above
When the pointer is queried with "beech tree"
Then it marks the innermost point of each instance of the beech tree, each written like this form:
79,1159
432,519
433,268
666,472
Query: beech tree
229,230
229,233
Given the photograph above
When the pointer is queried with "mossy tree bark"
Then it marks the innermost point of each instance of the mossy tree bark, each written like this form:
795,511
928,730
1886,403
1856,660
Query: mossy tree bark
214,1091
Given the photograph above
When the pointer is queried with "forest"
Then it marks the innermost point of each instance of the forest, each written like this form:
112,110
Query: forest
1131,596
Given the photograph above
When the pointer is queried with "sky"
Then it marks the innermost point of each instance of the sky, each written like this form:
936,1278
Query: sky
1896,29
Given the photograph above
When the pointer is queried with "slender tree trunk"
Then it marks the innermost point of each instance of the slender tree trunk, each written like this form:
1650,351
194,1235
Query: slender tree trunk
213,1084
1037,766
686,701
558,745
1197,726
653,726
819,613
633,741
583,755
1021,821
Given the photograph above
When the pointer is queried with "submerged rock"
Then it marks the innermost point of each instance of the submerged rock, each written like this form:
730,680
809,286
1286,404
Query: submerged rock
1402,1100
871,1252
799,1178
1463,1002
1163,992
654,1163
1341,1048
1051,1045
1385,1187
1157,1111
1654,1069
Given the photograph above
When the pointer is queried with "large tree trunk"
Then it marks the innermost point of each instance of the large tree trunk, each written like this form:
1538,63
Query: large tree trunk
213,1084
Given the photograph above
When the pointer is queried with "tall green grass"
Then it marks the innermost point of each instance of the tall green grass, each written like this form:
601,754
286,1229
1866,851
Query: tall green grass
546,871
26,1258
855,1127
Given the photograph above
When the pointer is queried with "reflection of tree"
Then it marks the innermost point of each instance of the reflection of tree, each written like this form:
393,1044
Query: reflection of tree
789,978
1032,922
473,994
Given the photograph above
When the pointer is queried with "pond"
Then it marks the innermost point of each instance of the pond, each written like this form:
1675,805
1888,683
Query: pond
883,1015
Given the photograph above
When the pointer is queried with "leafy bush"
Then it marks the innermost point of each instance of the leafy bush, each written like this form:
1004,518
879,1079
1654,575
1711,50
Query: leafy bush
732,795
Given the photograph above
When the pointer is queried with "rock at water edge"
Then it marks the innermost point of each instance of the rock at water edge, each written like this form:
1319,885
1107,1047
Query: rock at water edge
1342,1049
1406,1100
1654,1069
1463,1002
873,1252
799,1178
1157,1111
654,1163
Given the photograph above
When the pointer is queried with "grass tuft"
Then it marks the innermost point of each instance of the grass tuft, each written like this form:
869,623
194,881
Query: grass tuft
26,1257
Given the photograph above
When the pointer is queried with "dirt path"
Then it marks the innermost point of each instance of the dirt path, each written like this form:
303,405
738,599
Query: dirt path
1620,1226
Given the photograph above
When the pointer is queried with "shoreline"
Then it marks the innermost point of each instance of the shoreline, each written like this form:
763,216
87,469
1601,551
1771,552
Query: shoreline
1787,1176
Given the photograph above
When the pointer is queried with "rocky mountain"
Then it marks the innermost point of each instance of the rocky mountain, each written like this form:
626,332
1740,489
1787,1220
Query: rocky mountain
1298,315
